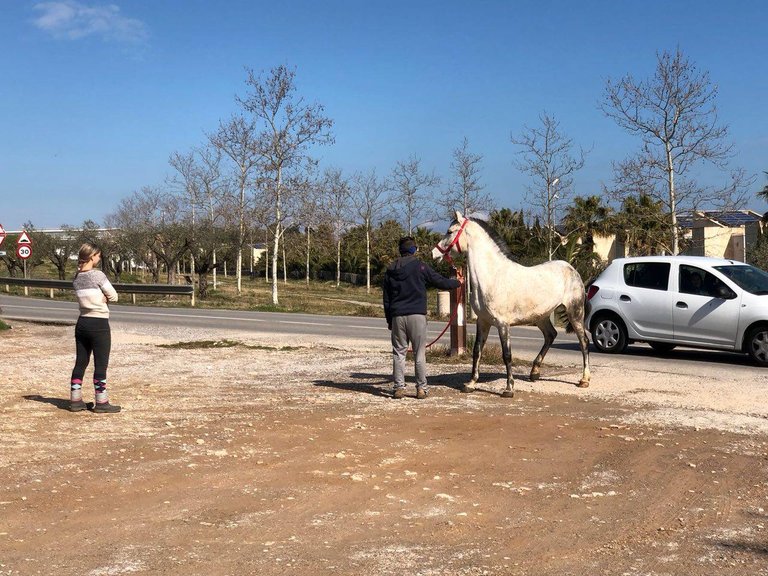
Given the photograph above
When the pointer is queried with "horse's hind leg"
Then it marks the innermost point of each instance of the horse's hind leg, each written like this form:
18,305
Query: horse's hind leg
581,334
550,334
477,351
506,353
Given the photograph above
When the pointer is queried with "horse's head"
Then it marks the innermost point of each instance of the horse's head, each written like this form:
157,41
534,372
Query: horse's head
453,240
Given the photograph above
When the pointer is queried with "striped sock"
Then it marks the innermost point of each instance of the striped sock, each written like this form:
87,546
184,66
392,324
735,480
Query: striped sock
76,390
100,388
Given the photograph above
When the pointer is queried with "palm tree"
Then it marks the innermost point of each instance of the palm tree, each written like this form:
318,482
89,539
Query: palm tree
644,226
586,217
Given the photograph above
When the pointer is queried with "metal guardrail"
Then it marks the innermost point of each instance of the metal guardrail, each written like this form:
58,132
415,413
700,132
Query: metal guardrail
168,289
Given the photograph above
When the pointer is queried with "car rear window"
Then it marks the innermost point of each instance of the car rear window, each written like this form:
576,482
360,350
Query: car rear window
653,275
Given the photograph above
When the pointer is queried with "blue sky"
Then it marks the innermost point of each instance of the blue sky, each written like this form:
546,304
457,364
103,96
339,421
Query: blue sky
95,96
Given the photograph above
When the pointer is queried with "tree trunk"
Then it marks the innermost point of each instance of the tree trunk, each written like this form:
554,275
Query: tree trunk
214,272
285,267
308,244
202,285
276,242
338,262
241,236
672,200
368,258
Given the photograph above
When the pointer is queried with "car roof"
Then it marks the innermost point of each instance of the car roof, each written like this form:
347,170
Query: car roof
681,259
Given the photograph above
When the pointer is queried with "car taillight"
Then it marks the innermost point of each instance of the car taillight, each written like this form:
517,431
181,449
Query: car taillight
592,291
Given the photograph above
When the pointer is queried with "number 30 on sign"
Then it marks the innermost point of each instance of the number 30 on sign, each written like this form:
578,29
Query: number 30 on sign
23,251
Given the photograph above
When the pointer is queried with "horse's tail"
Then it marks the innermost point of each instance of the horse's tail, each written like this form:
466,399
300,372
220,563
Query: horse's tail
561,313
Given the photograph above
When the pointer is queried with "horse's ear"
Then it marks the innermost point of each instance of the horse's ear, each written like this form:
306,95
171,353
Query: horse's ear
458,215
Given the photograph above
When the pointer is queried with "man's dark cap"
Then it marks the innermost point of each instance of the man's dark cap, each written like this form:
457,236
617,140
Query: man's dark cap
407,245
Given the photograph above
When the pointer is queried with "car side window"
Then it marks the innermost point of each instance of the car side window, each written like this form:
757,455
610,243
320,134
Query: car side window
692,280
653,275
697,281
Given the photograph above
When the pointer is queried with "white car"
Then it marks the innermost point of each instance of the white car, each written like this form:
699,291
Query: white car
670,301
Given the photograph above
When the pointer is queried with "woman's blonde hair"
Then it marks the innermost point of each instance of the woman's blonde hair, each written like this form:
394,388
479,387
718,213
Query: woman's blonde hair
87,251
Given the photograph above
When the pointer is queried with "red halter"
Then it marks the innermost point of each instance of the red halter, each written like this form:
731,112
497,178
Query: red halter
446,252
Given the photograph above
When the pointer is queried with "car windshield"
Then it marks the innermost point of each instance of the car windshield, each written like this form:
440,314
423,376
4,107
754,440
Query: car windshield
748,278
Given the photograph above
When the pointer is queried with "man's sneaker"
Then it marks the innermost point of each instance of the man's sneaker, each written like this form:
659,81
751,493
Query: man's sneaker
421,394
77,405
106,408
398,393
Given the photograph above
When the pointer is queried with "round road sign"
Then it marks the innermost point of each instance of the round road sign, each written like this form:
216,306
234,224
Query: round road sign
23,251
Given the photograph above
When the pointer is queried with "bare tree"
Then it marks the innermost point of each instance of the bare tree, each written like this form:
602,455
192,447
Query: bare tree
764,192
465,191
58,249
337,203
156,221
674,114
187,183
548,156
213,189
413,191
309,214
370,201
290,127
237,139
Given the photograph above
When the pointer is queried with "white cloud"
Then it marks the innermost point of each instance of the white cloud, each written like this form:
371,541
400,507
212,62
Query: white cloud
72,20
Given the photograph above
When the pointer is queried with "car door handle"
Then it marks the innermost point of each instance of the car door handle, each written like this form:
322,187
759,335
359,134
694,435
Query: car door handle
625,298
681,304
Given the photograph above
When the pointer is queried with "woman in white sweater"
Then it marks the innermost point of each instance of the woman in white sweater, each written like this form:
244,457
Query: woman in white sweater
92,332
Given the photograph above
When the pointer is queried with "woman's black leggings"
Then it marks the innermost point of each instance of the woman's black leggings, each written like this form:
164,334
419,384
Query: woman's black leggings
92,335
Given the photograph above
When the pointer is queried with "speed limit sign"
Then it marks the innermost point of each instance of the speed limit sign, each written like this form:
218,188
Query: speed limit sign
23,251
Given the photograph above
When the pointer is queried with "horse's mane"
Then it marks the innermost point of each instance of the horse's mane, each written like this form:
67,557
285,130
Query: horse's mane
493,235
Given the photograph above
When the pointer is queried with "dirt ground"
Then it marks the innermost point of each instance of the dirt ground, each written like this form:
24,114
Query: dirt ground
256,459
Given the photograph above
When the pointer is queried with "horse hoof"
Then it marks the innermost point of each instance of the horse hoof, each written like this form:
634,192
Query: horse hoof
467,389
535,376
508,394
583,384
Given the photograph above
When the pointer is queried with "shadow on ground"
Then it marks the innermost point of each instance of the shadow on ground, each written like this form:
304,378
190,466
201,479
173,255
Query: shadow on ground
60,403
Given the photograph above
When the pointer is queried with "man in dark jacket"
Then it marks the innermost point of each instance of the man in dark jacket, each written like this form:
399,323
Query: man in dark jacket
405,306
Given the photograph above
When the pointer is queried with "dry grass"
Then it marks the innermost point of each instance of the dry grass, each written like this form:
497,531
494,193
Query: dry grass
440,354
293,296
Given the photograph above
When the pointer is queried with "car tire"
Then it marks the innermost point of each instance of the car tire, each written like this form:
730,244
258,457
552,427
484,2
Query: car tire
757,345
609,334
662,347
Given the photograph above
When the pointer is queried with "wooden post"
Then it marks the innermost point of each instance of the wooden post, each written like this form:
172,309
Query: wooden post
458,322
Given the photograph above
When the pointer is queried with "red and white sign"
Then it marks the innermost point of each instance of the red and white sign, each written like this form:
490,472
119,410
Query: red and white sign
2,234
24,238
23,251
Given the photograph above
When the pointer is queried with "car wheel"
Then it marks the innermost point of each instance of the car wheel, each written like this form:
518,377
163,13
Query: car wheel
662,347
757,345
609,335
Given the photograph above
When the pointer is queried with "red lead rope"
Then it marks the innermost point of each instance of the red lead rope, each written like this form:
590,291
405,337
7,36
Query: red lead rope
453,315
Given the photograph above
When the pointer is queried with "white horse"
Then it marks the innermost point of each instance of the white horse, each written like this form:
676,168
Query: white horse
508,294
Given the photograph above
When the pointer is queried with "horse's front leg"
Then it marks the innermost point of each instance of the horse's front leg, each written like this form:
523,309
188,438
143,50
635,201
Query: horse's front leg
481,336
506,354
550,334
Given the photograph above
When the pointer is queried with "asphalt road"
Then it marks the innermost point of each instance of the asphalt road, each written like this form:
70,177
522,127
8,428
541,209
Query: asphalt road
526,340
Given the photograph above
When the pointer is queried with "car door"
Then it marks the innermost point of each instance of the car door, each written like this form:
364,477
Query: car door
645,300
702,315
